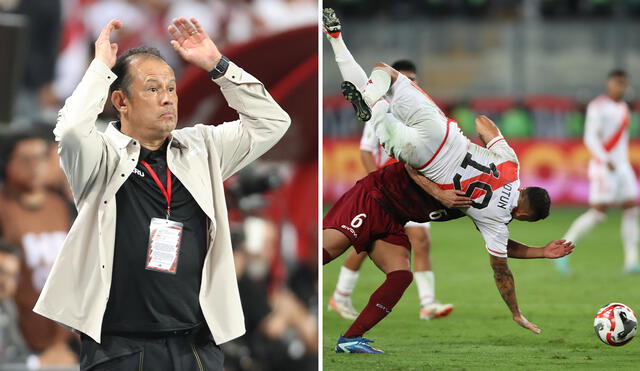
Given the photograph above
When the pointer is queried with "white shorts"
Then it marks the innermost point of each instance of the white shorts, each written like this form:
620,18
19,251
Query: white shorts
415,109
609,187
416,224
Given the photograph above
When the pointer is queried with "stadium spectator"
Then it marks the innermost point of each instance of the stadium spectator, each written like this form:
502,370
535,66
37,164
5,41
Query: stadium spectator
36,220
281,333
13,348
171,299
36,99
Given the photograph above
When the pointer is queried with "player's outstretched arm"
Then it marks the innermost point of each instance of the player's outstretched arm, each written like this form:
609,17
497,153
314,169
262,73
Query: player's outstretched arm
449,198
486,129
507,288
552,250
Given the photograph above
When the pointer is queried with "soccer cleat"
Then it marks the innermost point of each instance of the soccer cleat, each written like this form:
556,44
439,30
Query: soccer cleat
634,269
356,345
344,308
351,93
435,310
331,23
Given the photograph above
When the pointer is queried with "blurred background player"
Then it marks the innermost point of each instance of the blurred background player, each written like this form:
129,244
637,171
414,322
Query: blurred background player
612,179
373,158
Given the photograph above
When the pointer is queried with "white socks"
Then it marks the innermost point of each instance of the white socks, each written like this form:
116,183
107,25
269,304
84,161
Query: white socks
372,88
346,282
349,68
377,86
426,282
583,224
629,230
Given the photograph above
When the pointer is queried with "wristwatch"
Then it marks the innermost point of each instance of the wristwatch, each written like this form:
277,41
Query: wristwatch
220,69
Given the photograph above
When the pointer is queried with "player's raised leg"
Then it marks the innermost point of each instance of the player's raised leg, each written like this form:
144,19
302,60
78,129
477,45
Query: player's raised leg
423,275
340,301
394,260
349,68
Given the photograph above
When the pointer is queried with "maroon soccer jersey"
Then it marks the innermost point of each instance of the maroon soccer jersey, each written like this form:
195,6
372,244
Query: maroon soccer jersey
378,206
400,196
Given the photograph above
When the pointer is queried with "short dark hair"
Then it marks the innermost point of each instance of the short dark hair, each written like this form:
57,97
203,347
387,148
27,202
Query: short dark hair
617,73
539,202
10,140
7,248
404,65
121,68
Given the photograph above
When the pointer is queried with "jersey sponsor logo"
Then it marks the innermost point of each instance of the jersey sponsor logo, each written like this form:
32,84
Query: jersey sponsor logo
138,172
353,231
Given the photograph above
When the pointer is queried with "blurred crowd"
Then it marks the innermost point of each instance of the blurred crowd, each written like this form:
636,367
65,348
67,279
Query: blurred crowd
488,8
60,34
277,272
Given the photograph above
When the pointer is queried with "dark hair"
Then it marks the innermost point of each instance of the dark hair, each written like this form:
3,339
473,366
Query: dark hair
121,68
404,65
539,202
9,142
7,248
617,73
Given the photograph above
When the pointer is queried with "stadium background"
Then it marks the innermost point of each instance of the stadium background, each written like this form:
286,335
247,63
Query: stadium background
531,66
46,45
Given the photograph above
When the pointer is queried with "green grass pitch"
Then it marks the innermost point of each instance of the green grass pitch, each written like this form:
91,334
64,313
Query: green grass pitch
479,334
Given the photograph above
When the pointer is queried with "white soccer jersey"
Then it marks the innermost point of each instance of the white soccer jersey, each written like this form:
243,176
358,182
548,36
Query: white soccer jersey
491,177
417,132
606,133
607,138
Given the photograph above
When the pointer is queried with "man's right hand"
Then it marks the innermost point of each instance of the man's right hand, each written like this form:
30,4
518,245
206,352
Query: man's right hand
106,51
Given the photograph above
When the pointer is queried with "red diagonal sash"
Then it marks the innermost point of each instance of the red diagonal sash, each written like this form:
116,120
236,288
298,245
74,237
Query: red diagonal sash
608,146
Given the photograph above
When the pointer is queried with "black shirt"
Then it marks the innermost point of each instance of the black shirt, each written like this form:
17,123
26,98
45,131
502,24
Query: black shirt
144,300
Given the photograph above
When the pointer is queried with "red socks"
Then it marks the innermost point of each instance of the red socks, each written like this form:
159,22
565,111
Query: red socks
380,303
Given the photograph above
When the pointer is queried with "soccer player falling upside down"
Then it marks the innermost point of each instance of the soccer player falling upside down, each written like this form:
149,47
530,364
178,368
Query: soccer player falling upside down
443,170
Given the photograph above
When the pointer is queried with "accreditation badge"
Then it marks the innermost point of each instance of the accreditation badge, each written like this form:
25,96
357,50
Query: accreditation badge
164,245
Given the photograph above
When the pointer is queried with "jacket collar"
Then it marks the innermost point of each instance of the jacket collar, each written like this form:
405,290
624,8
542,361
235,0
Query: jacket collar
122,141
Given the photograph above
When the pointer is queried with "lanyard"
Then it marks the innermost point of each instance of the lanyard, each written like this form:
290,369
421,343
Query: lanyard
166,192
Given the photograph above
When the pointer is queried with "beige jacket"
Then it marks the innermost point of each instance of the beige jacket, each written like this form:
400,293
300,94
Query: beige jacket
97,164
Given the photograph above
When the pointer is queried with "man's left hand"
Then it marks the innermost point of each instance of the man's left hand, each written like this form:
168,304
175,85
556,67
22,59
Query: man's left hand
558,249
193,44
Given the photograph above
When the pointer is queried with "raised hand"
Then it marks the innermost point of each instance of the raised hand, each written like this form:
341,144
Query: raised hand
519,319
106,51
558,249
193,44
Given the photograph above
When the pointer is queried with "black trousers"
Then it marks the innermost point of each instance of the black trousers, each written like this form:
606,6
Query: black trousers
173,352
